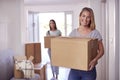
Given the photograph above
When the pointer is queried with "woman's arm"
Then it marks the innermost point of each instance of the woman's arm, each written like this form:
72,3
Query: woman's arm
48,33
99,55
60,33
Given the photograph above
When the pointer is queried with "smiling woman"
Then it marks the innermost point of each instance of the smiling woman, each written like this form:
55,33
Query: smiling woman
85,18
87,29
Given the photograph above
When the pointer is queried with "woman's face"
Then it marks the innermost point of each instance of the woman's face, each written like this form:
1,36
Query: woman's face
85,18
52,24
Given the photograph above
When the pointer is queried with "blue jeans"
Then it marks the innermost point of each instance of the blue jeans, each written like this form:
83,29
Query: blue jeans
82,75
55,69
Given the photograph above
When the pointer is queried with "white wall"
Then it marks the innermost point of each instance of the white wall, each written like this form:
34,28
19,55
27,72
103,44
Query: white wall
113,33
116,39
111,22
119,37
106,15
3,34
10,12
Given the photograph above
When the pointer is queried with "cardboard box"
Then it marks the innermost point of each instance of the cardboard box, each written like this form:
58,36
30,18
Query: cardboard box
33,49
73,53
47,41
17,73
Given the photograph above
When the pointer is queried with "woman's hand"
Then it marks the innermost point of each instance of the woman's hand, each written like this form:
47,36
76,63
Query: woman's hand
92,64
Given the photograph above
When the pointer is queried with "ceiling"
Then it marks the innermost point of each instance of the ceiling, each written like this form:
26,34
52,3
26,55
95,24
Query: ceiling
52,2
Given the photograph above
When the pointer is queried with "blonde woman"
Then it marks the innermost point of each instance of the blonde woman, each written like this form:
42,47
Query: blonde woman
87,29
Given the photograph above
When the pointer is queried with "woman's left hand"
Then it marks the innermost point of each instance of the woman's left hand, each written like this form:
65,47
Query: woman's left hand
92,64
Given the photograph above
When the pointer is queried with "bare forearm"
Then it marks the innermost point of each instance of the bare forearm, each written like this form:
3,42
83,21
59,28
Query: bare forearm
100,51
99,55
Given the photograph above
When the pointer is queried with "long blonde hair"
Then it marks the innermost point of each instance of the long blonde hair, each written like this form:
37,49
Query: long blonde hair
92,20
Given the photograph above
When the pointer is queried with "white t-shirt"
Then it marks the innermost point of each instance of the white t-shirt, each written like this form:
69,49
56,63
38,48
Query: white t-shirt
93,34
54,33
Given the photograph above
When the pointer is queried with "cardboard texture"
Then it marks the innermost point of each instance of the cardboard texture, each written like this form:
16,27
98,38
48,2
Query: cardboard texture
73,53
17,73
33,49
42,72
47,41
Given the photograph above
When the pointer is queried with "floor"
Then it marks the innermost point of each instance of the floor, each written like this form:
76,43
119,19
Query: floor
63,73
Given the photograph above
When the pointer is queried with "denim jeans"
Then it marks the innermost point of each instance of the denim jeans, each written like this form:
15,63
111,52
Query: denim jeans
55,69
82,75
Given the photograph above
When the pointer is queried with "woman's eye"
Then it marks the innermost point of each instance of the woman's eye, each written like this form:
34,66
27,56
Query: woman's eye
88,17
83,15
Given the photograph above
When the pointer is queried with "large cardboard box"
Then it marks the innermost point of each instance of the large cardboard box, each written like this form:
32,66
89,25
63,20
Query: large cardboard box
47,41
73,53
33,49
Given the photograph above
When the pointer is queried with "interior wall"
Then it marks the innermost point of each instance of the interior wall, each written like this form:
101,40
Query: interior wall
106,15
113,28
3,27
11,14
119,37
3,34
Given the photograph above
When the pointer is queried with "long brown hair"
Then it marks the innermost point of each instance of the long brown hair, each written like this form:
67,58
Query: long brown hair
92,20
54,23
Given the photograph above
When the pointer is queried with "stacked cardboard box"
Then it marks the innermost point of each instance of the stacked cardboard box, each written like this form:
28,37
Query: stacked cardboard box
33,49
73,53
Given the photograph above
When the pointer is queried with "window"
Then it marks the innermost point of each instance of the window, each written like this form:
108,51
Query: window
33,27
38,24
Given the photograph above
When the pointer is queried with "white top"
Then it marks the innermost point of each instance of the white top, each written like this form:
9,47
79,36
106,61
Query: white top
93,34
54,33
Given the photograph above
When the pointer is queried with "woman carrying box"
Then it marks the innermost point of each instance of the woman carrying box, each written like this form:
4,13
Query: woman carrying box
53,32
87,29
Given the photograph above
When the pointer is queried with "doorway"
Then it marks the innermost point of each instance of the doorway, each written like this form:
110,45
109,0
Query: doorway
39,25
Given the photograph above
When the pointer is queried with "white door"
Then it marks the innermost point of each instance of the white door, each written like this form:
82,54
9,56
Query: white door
107,17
